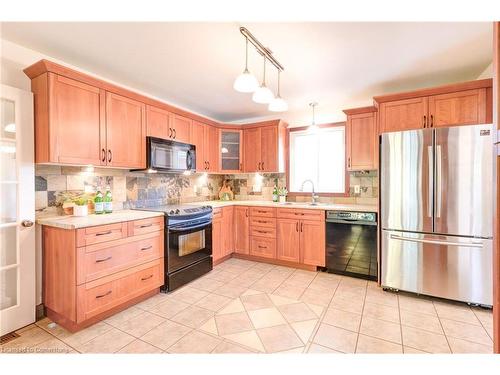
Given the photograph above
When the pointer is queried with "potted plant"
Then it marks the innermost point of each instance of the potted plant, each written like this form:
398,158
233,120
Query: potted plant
81,207
282,192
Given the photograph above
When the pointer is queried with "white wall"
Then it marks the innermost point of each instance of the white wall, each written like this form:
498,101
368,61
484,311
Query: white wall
487,73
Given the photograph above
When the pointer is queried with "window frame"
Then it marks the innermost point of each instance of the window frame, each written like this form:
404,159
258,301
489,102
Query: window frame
288,150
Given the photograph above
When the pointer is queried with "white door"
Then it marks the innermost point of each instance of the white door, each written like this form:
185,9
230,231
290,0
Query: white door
17,210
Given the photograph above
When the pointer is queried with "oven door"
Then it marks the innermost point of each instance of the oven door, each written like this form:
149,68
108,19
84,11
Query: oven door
170,156
188,245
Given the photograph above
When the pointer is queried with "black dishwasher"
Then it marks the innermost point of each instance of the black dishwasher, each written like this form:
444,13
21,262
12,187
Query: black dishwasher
351,244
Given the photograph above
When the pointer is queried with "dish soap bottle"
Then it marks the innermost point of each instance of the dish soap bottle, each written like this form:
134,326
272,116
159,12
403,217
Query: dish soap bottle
108,201
98,202
275,194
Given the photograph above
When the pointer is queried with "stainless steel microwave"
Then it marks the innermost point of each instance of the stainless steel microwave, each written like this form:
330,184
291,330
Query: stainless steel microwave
164,155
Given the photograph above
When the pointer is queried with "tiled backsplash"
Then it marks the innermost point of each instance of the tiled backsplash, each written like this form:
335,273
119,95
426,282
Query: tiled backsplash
136,190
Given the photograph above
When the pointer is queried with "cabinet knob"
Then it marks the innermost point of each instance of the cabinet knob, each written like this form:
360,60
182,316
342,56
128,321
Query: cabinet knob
27,223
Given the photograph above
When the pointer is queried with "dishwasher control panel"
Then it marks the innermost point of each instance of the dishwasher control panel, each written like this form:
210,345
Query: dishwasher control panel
352,216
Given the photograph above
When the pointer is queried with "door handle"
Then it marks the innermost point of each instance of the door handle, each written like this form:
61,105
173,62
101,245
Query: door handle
258,166
110,156
425,121
103,153
301,227
436,242
439,188
432,121
262,166
297,226
349,162
170,132
175,133
27,223
429,183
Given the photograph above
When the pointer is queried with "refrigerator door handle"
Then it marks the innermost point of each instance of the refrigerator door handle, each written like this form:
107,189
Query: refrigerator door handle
437,242
430,182
439,188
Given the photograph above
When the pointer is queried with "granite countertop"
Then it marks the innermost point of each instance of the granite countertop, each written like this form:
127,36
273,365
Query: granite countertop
75,222
302,205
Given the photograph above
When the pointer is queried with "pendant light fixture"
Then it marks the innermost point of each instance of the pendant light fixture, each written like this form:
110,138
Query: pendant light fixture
278,104
246,81
313,128
263,95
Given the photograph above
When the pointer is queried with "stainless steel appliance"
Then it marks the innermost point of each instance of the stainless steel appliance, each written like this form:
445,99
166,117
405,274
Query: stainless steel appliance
188,243
437,212
351,243
164,155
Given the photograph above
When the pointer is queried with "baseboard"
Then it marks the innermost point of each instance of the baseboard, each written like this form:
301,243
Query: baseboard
277,262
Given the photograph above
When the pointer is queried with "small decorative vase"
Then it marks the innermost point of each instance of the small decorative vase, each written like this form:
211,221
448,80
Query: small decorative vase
80,210
282,198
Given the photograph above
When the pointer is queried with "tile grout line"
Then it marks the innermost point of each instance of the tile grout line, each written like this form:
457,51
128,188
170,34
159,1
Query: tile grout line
361,320
441,324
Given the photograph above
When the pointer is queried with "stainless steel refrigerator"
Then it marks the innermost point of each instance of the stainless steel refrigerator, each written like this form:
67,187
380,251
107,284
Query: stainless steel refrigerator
437,212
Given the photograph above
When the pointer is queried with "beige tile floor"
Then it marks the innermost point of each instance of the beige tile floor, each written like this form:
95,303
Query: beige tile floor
250,307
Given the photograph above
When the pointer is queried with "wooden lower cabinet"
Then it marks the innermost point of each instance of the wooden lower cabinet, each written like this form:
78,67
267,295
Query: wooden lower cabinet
227,231
217,239
263,247
241,230
312,242
93,272
288,240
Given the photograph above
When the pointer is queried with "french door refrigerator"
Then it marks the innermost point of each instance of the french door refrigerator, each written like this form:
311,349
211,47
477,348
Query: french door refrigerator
437,212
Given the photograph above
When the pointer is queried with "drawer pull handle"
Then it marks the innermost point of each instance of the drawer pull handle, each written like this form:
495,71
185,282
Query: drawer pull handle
105,294
104,233
146,248
146,278
262,221
146,225
261,231
262,212
262,247
103,260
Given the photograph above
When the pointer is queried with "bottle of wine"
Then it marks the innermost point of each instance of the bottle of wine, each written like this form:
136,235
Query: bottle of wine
108,201
98,202
275,194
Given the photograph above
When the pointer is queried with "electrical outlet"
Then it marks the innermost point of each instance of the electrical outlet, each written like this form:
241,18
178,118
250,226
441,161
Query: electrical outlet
357,189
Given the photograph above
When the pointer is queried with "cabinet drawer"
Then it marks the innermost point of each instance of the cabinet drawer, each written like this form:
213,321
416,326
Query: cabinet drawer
263,222
286,213
102,233
263,232
143,226
263,247
263,211
100,260
101,295
217,213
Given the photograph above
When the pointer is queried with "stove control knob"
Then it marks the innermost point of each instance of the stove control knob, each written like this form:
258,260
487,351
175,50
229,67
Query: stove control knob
177,211
171,212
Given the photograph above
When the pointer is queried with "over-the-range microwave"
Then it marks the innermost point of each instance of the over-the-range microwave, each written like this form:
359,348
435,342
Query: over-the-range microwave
164,155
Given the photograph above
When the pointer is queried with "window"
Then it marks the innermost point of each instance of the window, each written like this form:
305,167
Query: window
320,157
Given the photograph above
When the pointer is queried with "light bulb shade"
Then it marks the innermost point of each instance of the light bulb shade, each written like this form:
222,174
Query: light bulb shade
278,105
246,82
262,95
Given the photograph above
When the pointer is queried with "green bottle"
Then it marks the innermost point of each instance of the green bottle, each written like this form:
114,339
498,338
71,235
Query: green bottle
108,201
98,202
275,194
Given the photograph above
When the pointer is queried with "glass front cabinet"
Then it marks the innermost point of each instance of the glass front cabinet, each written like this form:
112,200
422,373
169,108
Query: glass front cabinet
231,151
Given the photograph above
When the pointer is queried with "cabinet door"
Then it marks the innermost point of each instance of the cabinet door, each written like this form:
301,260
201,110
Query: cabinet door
362,142
212,148
228,230
76,122
241,230
125,132
252,154
180,128
269,148
288,238
458,108
312,243
197,138
404,114
230,151
157,122
217,239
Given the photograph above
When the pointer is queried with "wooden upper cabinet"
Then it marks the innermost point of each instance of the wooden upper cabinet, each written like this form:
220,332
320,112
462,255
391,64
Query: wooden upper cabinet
312,242
288,240
241,230
269,149
125,132
407,114
252,150
69,121
157,122
362,139
212,148
197,138
181,128
458,108
231,151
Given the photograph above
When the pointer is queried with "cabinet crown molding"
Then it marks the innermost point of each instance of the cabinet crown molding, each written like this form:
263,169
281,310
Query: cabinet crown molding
360,110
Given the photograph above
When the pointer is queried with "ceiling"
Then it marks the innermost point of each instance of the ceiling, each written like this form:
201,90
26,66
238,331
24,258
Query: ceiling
339,65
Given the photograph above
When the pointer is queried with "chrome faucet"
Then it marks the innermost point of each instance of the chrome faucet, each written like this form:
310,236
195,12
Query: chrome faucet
313,195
